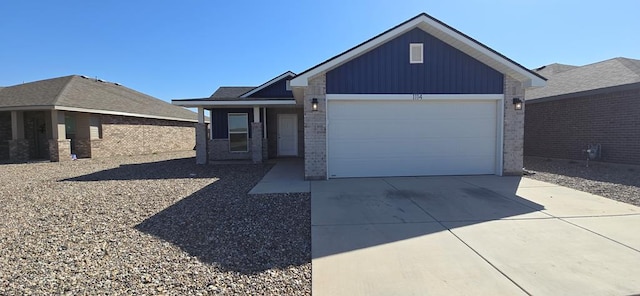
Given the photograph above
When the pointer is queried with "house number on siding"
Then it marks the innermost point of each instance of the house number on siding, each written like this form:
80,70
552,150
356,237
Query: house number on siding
417,97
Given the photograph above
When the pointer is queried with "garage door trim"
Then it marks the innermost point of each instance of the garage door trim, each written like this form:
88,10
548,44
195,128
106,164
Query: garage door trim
499,98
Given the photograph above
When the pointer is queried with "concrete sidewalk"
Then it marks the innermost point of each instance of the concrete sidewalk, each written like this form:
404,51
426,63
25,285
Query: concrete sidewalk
476,235
286,176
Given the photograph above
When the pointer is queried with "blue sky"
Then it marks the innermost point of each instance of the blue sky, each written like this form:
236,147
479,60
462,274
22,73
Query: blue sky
188,48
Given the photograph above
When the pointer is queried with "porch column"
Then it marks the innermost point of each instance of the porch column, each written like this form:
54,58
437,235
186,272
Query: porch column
256,136
18,145
201,138
59,145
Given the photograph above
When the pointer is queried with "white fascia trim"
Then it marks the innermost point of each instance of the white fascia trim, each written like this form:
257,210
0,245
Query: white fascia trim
302,80
107,112
268,83
411,97
532,81
192,104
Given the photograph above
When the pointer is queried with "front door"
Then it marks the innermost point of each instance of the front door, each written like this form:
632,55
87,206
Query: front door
287,135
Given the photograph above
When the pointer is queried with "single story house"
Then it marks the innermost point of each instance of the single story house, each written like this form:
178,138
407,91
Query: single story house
596,104
54,118
421,98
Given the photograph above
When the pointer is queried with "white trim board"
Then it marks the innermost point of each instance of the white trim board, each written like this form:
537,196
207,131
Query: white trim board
412,97
438,30
74,109
268,83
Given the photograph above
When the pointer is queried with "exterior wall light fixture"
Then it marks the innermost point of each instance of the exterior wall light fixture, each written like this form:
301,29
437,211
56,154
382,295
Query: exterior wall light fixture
314,104
517,103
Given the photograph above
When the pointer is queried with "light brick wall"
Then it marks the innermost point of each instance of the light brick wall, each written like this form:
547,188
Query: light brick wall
202,143
124,135
315,130
256,144
60,150
219,150
513,128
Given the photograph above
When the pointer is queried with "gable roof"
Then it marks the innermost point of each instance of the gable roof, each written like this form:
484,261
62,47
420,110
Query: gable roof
439,30
608,73
268,83
79,93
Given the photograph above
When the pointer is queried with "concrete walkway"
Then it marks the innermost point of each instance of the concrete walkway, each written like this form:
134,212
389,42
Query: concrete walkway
475,235
286,176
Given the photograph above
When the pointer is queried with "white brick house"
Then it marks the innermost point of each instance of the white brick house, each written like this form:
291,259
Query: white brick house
419,99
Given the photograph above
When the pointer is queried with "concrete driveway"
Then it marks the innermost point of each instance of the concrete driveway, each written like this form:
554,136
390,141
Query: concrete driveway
471,235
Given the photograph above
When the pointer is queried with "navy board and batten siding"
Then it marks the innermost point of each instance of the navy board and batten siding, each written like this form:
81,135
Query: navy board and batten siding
220,123
386,70
275,90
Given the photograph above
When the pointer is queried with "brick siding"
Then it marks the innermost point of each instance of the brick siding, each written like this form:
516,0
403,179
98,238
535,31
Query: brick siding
124,135
563,128
513,128
315,130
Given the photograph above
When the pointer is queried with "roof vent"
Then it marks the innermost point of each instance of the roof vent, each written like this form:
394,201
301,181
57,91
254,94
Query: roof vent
118,84
85,77
416,53
100,80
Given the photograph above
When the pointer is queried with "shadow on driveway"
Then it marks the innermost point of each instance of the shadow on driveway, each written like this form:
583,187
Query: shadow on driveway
353,214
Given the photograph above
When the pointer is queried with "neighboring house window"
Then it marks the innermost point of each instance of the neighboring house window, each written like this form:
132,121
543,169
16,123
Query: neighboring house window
95,127
416,53
238,132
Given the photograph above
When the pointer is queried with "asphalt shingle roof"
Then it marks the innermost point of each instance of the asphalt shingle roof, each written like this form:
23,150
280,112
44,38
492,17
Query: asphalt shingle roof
87,93
562,79
230,92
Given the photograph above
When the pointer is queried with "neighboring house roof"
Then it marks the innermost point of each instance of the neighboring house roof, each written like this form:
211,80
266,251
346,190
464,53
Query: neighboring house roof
441,31
609,73
551,70
83,94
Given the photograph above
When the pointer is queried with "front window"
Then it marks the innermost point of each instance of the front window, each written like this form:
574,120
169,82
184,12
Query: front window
238,132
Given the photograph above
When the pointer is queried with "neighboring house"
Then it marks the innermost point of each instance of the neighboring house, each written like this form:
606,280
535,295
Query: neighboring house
589,105
54,118
419,99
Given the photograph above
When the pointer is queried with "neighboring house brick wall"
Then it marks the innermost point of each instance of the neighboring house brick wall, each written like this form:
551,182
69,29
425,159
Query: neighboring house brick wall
563,128
513,128
124,135
315,130
5,135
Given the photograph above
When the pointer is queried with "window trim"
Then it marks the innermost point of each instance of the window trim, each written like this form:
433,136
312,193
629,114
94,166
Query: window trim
229,133
416,46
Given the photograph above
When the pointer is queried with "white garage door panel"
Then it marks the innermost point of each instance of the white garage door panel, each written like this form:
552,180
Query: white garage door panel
411,138
413,147
459,128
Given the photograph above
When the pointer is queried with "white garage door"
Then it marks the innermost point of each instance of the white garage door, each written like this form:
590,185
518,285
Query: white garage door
411,138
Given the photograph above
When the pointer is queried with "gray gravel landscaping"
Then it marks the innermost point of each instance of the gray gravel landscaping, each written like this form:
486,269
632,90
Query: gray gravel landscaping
156,224
618,182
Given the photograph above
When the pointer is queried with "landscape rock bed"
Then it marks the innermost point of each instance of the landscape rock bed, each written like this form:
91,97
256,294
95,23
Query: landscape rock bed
156,224
617,182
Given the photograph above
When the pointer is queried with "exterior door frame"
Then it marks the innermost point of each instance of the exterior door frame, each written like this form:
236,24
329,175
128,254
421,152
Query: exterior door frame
295,134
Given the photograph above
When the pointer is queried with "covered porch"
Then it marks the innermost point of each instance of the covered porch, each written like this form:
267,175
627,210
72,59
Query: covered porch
46,134
253,129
